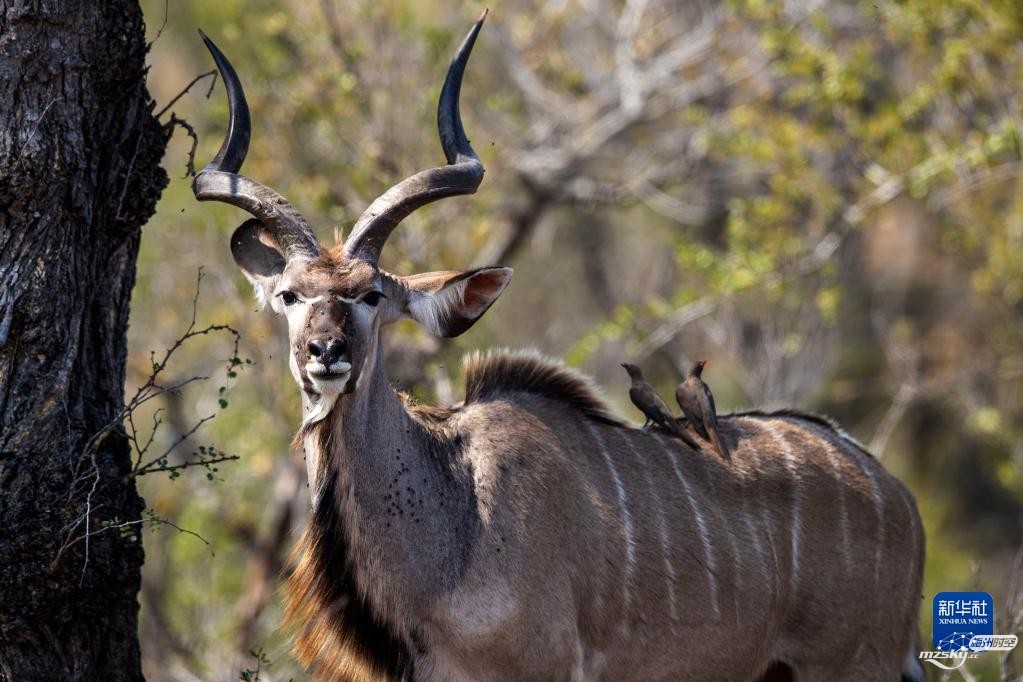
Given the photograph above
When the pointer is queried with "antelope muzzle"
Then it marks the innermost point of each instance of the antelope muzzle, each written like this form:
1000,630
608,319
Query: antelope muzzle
324,351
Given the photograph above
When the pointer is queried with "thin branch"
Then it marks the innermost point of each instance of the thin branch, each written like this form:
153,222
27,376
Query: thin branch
207,74
168,128
157,421
672,326
124,524
904,397
148,466
32,135
128,174
166,13
150,389
975,181
185,465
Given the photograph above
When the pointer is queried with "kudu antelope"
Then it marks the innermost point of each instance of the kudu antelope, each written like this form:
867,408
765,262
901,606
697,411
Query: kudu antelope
528,533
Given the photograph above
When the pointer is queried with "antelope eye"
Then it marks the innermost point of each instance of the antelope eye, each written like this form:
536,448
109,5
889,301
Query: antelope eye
288,297
372,298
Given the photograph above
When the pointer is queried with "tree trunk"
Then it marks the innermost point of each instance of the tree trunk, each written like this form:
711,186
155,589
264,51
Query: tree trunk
79,175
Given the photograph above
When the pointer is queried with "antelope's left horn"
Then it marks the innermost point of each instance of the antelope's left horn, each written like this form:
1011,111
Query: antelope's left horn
462,176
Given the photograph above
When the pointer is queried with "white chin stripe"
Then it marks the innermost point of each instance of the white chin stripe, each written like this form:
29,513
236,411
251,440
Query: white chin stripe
329,390
321,409
333,386
315,368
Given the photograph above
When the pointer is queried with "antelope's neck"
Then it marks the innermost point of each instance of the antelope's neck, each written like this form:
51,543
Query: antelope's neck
404,499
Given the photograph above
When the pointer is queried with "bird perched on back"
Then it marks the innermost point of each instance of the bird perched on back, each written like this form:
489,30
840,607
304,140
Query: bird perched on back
697,403
653,407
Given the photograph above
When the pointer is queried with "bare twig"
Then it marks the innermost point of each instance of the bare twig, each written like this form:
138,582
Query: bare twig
904,397
168,129
207,74
143,469
32,135
166,14
672,326
975,181
149,390
904,363
152,520
128,173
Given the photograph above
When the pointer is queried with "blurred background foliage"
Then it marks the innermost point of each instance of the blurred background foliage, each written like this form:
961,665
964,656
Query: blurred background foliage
821,197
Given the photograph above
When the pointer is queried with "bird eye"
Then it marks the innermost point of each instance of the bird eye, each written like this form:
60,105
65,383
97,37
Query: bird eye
373,298
288,297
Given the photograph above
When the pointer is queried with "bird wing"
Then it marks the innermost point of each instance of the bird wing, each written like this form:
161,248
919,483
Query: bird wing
710,415
694,408
660,404
641,398
710,422
683,395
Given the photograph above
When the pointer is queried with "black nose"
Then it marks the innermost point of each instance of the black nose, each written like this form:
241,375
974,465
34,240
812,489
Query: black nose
326,351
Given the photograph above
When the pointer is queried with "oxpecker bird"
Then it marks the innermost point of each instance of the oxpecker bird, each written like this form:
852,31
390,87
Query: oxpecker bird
697,403
653,407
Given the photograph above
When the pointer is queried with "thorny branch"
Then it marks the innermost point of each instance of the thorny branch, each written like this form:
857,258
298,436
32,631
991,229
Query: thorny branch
175,120
152,520
207,74
125,421
168,130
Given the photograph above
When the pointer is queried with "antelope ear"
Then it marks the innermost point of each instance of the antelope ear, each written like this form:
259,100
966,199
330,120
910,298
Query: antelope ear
448,303
259,256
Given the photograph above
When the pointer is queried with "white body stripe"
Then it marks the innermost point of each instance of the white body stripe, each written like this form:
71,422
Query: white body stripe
843,512
665,540
904,496
758,545
701,525
793,467
875,494
737,559
630,542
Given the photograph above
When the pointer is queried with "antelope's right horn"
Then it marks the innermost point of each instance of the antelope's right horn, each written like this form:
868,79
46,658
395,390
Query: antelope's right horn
220,181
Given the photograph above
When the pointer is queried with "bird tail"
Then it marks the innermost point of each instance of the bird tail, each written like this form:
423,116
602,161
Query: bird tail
719,445
677,428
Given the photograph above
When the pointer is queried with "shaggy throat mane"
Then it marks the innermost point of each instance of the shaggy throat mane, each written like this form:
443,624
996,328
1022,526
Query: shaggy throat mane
333,623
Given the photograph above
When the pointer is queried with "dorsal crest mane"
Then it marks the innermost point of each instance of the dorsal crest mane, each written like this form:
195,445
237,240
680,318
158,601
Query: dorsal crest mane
818,419
495,374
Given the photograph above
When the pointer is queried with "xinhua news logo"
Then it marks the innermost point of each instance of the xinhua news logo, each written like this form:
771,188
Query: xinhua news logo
964,626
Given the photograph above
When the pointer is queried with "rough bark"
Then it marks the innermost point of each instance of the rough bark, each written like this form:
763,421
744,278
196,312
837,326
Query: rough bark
79,175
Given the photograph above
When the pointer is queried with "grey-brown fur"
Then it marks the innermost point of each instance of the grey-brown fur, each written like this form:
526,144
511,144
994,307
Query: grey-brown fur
527,560
528,533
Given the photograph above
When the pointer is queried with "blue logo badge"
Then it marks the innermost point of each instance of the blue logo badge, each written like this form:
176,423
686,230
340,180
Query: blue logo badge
959,617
